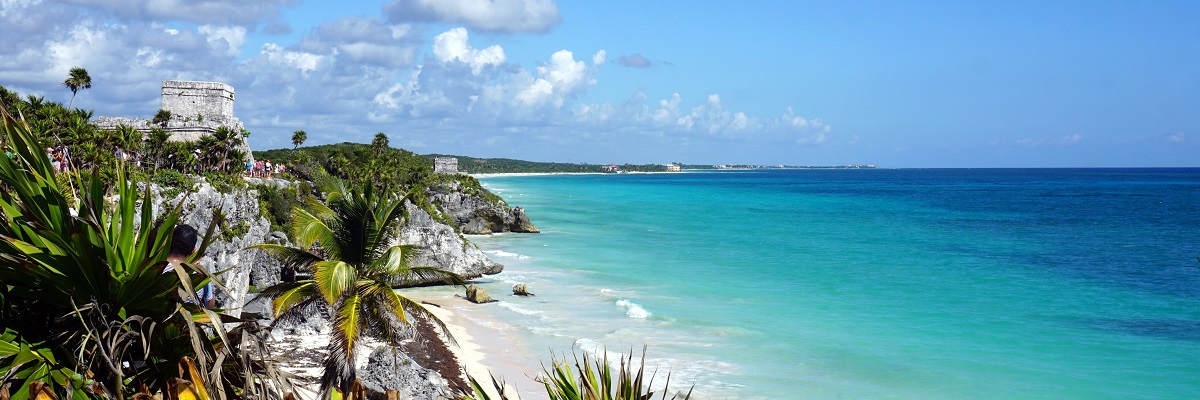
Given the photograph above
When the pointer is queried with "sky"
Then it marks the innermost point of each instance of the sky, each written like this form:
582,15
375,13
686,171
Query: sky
906,84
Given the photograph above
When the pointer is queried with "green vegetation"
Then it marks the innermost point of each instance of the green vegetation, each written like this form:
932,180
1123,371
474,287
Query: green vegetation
298,138
228,233
390,170
82,146
358,164
78,79
276,205
344,247
86,309
473,165
591,379
161,118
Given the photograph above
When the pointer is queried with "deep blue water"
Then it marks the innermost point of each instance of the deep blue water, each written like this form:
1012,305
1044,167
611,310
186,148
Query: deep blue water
955,283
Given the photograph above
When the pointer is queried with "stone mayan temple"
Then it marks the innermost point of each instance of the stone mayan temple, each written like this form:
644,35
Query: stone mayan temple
197,108
445,165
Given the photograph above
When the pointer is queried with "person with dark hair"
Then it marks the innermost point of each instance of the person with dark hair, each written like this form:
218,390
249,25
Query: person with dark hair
183,244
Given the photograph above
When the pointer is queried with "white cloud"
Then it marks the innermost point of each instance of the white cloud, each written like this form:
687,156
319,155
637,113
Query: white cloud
10,6
351,77
149,58
363,40
228,38
486,15
1176,138
305,62
452,46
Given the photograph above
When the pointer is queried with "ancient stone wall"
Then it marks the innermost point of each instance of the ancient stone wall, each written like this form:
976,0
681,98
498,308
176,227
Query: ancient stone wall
197,100
197,109
445,165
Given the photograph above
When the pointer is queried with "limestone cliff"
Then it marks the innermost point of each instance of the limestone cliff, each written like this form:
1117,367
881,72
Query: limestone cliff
227,254
442,247
475,215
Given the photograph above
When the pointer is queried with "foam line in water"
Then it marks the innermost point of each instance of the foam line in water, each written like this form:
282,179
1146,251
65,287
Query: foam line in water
520,310
502,253
633,310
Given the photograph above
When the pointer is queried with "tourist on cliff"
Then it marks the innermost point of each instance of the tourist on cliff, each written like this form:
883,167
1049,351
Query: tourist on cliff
50,156
183,244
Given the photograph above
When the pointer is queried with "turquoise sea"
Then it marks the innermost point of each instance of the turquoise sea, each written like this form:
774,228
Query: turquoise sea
857,284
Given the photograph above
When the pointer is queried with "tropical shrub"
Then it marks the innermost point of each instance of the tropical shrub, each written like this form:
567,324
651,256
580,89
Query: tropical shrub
591,379
85,308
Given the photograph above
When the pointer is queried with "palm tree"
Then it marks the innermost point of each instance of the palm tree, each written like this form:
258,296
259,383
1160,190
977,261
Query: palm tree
162,117
157,141
78,79
347,247
221,144
379,143
298,138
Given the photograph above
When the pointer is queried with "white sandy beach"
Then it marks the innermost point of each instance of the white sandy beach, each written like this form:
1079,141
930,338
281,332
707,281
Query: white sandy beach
482,348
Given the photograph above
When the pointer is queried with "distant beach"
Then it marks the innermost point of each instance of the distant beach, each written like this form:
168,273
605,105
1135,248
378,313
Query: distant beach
519,174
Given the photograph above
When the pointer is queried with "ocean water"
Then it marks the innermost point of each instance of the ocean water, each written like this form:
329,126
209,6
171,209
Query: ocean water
897,284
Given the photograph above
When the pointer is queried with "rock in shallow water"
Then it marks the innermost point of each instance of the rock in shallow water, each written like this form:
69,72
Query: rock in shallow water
477,295
521,290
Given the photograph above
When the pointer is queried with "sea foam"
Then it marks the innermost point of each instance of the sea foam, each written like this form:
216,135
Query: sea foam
633,310
502,253
518,309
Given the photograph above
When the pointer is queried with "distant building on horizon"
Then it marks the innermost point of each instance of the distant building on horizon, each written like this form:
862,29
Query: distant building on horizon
445,165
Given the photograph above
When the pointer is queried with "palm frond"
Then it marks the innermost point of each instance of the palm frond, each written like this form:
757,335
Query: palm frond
334,278
414,275
309,229
288,295
289,256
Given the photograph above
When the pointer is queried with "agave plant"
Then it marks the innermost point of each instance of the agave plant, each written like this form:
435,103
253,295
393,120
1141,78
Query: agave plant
85,308
591,379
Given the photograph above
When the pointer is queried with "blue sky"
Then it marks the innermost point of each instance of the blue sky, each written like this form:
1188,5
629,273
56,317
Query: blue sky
896,84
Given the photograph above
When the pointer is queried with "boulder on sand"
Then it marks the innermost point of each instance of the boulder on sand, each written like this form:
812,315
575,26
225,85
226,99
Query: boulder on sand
477,295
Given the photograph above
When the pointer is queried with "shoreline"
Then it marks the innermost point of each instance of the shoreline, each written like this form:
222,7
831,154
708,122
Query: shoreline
482,348
518,174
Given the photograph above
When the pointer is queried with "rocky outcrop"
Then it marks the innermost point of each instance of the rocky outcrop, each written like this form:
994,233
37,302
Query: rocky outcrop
440,246
227,253
389,370
475,215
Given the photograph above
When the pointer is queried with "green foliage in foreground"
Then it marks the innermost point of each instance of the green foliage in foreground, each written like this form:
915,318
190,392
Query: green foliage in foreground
85,308
591,379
